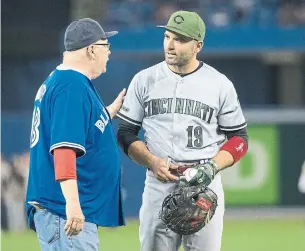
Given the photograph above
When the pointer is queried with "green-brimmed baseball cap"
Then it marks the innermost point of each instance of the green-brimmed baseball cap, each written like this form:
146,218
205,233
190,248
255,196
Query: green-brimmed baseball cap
186,23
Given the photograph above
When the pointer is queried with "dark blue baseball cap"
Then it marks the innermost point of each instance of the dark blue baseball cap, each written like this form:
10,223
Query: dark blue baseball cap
83,32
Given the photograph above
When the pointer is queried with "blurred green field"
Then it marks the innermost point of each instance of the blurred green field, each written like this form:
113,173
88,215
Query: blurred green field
239,235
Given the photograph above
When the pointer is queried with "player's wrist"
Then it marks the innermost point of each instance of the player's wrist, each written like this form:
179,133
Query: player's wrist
205,173
210,168
75,203
151,161
111,111
214,166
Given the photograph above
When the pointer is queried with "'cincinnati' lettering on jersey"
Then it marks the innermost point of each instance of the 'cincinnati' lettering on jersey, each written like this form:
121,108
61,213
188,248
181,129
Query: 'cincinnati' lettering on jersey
181,105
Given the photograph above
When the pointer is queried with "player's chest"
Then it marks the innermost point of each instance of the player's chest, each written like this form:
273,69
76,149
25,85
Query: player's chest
182,97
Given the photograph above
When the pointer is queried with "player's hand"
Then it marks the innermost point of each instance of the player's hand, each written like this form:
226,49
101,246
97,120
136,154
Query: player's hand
201,174
162,170
117,103
75,219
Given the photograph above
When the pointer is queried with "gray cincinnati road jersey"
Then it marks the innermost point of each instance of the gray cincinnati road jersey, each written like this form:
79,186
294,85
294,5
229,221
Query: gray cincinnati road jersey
181,116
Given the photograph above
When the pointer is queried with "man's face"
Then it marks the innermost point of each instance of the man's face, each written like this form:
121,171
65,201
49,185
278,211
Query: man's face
178,49
102,52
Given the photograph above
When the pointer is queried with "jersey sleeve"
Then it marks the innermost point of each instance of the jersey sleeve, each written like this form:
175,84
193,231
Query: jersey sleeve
230,116
70,116
132,109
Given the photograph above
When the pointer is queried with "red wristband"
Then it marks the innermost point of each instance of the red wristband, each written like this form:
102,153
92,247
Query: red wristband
236,146
64,164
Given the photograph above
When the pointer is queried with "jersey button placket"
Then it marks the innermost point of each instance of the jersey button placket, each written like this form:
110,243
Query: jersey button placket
176,137
178,95
176,121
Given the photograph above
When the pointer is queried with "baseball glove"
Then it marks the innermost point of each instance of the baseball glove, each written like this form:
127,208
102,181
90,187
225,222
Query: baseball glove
188,209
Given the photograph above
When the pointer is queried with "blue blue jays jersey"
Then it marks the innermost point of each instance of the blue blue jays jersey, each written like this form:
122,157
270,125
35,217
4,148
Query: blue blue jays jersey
68,112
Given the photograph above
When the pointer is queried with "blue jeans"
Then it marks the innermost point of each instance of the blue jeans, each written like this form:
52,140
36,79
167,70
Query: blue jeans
51,234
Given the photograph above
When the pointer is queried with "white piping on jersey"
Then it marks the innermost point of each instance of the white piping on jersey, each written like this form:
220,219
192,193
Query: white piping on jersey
128,120
234,128
68,144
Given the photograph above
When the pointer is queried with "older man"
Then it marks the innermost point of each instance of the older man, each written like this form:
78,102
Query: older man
75,176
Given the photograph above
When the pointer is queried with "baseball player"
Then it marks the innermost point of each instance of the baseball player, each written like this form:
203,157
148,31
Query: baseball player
190,113
75,171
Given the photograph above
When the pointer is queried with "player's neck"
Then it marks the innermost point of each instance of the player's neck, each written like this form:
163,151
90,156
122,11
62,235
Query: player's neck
74,62
185,69
78,68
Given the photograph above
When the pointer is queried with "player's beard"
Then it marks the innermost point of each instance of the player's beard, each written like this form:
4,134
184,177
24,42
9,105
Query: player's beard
178,60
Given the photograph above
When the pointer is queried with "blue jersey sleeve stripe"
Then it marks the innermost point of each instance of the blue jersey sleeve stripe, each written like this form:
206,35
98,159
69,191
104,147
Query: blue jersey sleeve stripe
68,144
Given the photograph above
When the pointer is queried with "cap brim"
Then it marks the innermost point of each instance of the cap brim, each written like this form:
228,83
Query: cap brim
174,29
111,33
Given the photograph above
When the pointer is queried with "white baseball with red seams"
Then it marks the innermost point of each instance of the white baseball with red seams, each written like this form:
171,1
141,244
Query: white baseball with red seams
190,173
183,118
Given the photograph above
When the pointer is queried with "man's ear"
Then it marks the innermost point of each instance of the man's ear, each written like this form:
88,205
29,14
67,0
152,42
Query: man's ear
90,52
198,47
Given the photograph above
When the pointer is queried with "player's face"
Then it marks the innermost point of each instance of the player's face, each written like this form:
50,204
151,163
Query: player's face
179,50
102,48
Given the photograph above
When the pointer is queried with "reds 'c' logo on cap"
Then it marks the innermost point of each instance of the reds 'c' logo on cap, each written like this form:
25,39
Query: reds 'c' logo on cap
178,19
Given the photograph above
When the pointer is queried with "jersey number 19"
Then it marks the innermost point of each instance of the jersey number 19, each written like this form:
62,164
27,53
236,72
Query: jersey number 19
194,136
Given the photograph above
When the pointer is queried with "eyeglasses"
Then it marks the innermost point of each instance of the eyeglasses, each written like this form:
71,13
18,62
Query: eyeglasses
108,45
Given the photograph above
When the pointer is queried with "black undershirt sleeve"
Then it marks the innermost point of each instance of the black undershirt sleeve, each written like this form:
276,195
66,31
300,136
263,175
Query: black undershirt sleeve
240,133
127,134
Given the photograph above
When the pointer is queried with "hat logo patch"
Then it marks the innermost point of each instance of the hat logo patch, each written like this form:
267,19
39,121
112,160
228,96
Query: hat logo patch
178,19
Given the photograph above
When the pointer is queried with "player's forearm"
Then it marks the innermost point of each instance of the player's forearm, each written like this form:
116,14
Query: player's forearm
111,112
139,153
116,105
69,189
223,159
